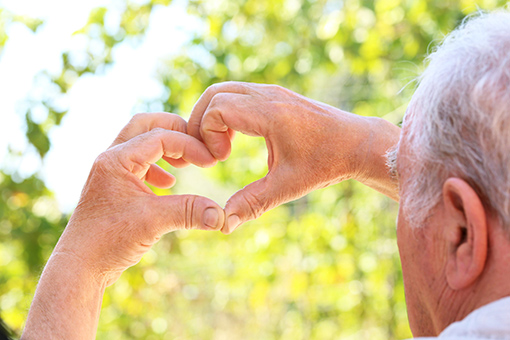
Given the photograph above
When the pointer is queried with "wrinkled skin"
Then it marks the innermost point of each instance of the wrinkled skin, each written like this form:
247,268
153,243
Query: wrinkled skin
310,145
117,220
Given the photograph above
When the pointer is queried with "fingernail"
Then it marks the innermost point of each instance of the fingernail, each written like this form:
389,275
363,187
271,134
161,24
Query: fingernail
211,218
233,222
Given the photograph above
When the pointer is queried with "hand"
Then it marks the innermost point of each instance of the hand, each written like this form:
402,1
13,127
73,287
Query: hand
118,217
117,220
310,145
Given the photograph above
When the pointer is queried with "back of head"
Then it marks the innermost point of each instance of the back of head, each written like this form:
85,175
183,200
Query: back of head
458,121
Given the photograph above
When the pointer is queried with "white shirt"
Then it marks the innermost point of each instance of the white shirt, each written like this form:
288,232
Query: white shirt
490,322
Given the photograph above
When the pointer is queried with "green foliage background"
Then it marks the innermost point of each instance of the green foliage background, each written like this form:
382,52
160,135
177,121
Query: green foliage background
323,267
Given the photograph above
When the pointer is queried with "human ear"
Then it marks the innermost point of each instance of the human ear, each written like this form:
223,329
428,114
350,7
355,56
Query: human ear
466,233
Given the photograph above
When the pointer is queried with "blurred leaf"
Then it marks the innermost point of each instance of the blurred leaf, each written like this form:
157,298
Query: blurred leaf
36,136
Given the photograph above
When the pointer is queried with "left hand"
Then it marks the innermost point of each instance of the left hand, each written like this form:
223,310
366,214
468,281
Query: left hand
117,220
118,217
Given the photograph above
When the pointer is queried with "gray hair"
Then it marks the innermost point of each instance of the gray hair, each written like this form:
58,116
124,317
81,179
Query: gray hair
458,121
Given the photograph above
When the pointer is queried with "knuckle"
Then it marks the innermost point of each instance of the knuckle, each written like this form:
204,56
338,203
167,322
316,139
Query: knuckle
157,131
103,163
155,137
255,204
102,159
213,89
220,87
213,119
173,116
207,124
278,89
231,83
138,117
219,100
179,123
189,212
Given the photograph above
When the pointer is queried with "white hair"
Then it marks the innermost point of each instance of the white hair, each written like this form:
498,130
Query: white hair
458,121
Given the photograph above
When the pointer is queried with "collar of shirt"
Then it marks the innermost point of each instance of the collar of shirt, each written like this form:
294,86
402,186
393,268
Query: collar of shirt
489,322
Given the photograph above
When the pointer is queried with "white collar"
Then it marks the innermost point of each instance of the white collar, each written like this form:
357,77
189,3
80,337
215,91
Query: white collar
489,322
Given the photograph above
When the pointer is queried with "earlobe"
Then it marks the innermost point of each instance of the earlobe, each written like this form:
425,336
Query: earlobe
466,233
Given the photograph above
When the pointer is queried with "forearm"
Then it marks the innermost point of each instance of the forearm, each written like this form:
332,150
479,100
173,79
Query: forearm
362,144
67,301
375,173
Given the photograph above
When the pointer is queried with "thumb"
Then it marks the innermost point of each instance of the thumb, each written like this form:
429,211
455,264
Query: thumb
176,212
251,202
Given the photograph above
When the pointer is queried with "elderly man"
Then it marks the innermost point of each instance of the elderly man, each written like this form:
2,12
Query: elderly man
448,167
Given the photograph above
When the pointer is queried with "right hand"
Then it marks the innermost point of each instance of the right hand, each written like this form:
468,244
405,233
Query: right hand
310,145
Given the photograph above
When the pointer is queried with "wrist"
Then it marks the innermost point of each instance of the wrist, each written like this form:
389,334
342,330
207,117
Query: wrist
64,261
89,253
382,136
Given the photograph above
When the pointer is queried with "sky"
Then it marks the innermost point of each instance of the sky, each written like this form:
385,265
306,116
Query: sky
99,105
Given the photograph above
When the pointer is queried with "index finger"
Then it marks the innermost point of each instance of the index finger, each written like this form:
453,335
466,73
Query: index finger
137,154
145,122
205,99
